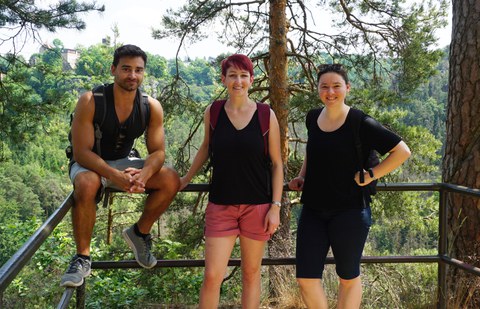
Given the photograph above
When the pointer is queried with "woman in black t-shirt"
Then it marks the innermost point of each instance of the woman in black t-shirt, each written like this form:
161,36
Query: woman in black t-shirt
244,200
336,213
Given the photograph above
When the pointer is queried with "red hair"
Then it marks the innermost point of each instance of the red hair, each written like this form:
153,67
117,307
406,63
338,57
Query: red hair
239,61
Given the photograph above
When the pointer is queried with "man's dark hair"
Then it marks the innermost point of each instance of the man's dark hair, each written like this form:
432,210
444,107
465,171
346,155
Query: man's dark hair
128,51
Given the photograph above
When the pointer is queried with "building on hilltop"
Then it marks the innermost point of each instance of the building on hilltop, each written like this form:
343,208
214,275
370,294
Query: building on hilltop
69,56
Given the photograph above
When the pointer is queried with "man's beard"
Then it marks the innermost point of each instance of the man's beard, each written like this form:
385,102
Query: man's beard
127,87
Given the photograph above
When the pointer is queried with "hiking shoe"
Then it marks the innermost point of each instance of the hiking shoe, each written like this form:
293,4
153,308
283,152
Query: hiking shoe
141,247
79,268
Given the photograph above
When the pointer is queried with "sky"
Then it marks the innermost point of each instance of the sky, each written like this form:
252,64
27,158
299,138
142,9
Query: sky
135,20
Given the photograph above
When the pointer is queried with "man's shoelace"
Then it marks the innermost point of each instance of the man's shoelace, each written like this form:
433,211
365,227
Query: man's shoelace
75,266
148,243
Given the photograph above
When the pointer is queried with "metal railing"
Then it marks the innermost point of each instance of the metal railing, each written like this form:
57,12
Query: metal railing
15,264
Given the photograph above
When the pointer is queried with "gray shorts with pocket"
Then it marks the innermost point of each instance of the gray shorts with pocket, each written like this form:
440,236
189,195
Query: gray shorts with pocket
119,164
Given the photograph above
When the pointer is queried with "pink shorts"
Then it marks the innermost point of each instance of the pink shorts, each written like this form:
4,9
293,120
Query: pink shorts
243,219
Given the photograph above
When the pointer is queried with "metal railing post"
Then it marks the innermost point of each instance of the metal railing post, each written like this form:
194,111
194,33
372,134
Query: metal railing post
81,295
442,250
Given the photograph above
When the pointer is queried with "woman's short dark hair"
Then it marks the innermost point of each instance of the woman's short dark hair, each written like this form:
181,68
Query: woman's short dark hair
239,61
332,67
128,50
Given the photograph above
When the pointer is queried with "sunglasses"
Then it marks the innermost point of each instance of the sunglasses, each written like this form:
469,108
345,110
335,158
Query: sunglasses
333,67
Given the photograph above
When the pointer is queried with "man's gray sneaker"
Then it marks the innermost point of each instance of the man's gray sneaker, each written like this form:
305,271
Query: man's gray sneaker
141,247
78,269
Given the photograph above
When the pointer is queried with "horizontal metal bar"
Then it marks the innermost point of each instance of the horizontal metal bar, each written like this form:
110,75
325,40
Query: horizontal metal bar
265,261
203,187
13,266
460,189
383,186
460,264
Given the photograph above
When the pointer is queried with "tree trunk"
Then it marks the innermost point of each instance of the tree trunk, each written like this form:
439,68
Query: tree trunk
461,164
281,244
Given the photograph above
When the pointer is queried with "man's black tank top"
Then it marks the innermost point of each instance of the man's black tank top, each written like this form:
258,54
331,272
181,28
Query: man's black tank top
239,164
118,138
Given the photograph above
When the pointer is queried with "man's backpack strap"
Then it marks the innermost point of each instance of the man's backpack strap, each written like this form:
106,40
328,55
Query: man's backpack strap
264,119
144,109
99,116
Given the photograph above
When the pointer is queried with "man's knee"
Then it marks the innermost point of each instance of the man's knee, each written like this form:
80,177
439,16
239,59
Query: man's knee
86,185
169,179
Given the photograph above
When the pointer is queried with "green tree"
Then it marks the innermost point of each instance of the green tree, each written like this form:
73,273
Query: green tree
21,107
26,18
95,62
156,66
31,96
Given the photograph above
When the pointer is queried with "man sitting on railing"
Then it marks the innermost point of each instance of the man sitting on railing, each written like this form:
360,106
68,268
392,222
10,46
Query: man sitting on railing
102,160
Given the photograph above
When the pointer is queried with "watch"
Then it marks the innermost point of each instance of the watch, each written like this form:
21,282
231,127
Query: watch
276,203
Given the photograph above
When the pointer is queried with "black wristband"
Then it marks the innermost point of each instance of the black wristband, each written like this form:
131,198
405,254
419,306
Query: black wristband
370,172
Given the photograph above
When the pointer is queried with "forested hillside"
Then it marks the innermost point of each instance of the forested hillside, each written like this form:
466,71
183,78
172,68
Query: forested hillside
40,94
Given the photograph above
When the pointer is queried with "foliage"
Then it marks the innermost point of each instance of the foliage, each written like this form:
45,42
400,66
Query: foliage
31,97
94,62
24,18
408,285
395,84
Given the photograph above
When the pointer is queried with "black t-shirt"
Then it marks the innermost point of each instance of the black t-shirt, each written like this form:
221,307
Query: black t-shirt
239,165
118,138
332,162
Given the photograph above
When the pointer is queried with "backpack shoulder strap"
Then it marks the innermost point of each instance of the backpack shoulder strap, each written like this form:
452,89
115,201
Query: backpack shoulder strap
99,97
100,104
215,109
264,119
144,110
357,117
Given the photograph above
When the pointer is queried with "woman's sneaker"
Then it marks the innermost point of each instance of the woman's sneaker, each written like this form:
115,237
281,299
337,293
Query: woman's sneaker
79,269
141,247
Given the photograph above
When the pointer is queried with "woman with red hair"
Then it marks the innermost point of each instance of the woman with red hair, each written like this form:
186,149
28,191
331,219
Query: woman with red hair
241,203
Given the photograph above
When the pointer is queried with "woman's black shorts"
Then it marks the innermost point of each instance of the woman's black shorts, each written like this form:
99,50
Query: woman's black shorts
345,231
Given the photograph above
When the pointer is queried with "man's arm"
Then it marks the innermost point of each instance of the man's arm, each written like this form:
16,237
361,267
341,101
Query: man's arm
83,140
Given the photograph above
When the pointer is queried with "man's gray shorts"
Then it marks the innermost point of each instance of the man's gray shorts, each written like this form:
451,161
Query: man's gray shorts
119,164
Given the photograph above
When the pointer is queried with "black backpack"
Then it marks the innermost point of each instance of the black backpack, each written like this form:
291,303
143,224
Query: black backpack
372,159
99,117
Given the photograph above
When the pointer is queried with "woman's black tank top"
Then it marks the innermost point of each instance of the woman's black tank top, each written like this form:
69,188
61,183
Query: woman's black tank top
239,164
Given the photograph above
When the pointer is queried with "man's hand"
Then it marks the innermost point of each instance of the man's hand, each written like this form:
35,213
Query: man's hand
137,181
121,179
